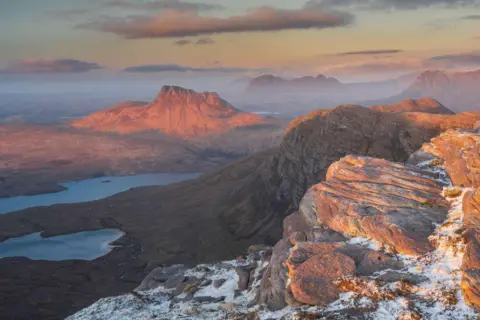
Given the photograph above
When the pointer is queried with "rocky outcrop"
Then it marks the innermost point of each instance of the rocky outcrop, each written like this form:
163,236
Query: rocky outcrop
395,205
390,203
459,152
471,259
376,238
175,111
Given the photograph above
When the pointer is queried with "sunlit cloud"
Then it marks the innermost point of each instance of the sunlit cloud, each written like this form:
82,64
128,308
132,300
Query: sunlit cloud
181,24
390,4
50,66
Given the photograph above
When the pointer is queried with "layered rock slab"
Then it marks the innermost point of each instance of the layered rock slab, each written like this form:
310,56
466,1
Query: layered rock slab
471,258
460,152
393,204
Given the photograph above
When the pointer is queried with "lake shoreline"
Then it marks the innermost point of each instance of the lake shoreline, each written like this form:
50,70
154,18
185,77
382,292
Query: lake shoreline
91,189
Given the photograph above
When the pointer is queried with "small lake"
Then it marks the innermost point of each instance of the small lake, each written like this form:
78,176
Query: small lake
92,189
78,246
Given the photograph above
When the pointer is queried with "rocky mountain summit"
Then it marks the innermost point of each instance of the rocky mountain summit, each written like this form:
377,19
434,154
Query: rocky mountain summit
218,215
175,111
375,240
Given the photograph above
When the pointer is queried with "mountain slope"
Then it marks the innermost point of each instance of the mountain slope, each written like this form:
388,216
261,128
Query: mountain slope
175,111
218,215
427,105
456,90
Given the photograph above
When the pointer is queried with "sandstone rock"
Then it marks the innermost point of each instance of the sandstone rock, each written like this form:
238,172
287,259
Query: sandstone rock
459,150
272,286
471,258
394,204
313,281
168,277
295,223
304,251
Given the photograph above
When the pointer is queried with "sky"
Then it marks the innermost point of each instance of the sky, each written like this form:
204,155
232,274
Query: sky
342,38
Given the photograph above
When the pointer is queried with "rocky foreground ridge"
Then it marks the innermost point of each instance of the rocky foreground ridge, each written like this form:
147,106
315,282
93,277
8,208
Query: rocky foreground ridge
175,111
376,240
212,218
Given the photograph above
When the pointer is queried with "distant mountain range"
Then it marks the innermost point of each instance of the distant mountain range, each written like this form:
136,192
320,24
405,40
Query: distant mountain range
175,111
458,90
272,82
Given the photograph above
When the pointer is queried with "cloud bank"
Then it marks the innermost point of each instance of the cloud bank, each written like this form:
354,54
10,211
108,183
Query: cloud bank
181,24
389,4
178,68
50,66
162,5
201,41
453,60
369,52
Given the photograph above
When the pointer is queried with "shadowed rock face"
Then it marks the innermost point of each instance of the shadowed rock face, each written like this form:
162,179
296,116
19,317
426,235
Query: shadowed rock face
175,111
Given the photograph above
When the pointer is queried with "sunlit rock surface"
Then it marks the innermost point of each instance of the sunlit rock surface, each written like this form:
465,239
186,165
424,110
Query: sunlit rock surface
376,240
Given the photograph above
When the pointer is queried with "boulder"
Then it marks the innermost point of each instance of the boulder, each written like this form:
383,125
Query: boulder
272,285
244,273
168,277
312,282
295,223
